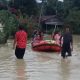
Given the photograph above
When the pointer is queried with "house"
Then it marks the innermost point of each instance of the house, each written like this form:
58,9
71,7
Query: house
52,22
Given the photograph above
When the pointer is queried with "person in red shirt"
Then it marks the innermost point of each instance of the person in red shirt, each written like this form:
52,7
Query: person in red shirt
20,42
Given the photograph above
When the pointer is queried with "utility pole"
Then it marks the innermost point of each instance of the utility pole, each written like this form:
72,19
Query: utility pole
41,11
56,15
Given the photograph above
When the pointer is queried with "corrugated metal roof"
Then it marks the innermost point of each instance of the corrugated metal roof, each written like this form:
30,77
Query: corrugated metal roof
51,20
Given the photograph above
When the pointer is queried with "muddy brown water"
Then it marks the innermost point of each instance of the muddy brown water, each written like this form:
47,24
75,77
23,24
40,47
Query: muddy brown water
39,65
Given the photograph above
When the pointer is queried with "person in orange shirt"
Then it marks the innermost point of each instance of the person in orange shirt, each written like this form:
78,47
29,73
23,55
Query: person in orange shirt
20,42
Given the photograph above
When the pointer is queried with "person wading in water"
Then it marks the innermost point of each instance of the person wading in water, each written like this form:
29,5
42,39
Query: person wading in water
67,45
20,42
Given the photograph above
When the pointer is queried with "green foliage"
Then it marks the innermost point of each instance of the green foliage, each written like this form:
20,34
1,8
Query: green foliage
28,23
69,11
9,22
51,7
72,14
26,6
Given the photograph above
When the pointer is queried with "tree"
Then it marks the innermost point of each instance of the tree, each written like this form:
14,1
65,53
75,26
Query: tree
51,7
72,14
9,22
26,6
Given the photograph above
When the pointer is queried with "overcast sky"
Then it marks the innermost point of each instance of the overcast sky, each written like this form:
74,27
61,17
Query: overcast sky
60,0
39,1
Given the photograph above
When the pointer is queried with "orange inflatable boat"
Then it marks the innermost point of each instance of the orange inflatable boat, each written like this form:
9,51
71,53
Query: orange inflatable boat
46,46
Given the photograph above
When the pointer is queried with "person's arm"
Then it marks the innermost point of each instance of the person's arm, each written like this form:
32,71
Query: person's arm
26,39
71,43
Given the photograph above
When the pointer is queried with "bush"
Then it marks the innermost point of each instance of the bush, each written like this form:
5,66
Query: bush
9,22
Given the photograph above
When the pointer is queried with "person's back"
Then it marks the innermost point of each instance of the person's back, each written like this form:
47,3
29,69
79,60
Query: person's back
21,37
67,45
67,38
20,42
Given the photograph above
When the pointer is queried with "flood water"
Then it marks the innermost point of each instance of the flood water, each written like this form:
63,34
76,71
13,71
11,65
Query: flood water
39,65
